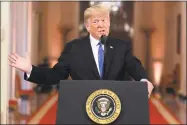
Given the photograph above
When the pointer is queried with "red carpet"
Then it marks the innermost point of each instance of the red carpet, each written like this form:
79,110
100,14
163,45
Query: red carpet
155,116
50,116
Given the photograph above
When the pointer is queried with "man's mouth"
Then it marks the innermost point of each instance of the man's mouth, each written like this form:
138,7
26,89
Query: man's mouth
102,31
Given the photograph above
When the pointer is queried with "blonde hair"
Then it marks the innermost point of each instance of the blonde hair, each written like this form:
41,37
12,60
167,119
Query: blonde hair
95,8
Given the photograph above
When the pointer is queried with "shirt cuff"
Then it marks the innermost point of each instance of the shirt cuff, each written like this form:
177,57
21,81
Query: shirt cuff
144,80
29,73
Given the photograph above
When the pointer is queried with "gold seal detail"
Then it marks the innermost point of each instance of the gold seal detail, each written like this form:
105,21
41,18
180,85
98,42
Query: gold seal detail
103,106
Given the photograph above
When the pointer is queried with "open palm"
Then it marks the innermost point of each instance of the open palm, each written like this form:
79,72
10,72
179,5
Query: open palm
19,62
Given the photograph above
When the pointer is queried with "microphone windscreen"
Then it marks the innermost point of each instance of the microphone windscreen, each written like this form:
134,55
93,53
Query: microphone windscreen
103,39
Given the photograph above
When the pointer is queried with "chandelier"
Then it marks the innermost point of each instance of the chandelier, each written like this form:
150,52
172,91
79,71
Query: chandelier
113,6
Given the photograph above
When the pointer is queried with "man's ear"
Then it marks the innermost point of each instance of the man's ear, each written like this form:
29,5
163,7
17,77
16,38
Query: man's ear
109,20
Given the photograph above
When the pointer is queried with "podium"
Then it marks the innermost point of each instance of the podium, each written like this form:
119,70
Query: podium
102,102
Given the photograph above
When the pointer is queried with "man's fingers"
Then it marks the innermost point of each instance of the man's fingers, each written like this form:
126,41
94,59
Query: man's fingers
12,64
11,60
12,56
149,94
16,55
150,87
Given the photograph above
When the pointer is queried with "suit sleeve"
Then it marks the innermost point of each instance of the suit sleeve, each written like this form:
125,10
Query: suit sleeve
49,76
133,64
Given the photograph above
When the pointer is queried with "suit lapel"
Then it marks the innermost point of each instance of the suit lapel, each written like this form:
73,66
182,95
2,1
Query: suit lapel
109,57
90,57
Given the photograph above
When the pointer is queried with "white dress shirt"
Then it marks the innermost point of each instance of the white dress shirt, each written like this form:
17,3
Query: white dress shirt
95,47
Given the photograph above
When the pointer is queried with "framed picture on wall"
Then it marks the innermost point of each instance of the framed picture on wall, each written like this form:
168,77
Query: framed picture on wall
178,33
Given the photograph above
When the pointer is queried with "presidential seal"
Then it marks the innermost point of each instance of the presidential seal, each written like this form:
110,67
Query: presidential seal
103,106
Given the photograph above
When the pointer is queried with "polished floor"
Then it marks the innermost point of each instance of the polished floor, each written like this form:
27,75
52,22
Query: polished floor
176,106
27,107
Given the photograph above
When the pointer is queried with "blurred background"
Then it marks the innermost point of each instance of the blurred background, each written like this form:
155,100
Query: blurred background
39,30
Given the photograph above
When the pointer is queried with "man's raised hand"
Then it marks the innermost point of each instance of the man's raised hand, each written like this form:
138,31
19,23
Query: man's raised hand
19,62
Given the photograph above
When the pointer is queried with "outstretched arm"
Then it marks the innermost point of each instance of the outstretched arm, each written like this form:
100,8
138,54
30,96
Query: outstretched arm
43,75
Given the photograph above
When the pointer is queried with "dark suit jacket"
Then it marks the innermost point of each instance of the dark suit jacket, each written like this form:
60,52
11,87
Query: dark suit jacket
77,60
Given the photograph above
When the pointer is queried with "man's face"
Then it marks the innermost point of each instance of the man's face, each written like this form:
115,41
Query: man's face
98,25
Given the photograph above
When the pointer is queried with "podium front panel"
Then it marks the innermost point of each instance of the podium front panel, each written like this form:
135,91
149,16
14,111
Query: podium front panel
73,95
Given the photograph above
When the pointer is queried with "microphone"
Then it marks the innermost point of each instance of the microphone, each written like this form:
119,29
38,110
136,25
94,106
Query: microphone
103,40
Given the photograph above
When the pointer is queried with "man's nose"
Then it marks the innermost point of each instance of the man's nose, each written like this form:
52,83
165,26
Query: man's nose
100,24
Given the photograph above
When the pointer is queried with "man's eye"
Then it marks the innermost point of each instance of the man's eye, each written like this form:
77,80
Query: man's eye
95,22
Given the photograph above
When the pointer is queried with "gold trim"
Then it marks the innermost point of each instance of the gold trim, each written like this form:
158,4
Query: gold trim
106,120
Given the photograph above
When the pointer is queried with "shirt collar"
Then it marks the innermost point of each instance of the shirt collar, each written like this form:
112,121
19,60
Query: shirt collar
94,42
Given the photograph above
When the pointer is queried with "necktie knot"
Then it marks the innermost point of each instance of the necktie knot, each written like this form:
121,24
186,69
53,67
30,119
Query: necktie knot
99,44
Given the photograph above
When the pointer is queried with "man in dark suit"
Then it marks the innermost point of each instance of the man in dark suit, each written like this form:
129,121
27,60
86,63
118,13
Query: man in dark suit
83,59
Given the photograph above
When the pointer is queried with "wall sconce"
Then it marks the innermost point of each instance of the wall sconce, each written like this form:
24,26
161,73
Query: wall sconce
157,71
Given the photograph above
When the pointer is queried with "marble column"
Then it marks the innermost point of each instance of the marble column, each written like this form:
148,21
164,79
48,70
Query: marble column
142,21
57,17
5,43
21,38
